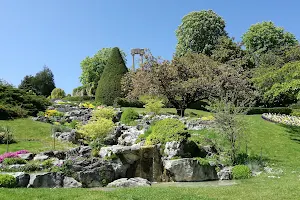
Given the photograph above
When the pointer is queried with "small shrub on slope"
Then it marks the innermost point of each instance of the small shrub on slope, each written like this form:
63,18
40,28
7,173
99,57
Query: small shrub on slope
241,172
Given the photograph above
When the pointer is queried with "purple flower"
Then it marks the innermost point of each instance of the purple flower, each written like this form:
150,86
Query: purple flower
12,154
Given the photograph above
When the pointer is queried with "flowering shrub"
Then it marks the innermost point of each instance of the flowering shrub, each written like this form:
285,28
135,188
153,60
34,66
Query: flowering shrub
53,113
12,155
283,119
87,105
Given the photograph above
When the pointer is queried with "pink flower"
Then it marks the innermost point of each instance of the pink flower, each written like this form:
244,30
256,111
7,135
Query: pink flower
12,154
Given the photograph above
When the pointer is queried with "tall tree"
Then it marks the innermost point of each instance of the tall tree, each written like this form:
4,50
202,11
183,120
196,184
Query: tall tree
109,86
42,83
93,67
265,36
199,32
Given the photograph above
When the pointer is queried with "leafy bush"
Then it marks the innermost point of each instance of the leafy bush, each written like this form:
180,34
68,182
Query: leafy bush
57,93
87,105
105,112
109,86
6,135
167,130
73,124
7,181
278,110
47,164
31,167
13,99
296,113
11,112
97,129
152,104
12,161
241,172
53,113
129,116
123,102
208,118
41,114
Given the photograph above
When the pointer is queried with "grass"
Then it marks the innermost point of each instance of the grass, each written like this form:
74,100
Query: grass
280,144
31,135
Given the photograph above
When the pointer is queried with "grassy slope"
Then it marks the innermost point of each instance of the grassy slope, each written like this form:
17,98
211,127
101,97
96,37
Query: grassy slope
280,144
30,135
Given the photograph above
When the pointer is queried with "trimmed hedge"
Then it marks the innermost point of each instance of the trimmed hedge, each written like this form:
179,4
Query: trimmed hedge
278,110
123,102
109,86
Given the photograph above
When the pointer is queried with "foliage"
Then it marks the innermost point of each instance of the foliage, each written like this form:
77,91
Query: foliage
241,172
202,161
53,113
11,112
109,86
57,93
296,113
97,129
278,110
280,85
7,181
12,161
229,52
42,83
199,32
31,167
124,102
167,130
93,67
15,101
208,118
265,36
129,116
6,136
153,104
85,90
106,112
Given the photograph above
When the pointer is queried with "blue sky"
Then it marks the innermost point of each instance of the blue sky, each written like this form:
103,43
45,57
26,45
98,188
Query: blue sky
61,33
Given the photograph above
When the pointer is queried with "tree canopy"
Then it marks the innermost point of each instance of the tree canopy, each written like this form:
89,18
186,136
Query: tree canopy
199,32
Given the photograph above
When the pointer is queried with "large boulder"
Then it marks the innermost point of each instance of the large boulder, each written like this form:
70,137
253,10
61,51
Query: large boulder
131,182
112,139
129,136
41,157
225,173
189,169
46,180
81,151
172,149
70,182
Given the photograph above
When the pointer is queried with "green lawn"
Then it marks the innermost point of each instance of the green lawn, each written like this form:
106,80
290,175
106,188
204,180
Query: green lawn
278,143
31,135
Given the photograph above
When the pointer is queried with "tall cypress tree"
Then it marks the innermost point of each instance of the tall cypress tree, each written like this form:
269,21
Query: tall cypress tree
109,85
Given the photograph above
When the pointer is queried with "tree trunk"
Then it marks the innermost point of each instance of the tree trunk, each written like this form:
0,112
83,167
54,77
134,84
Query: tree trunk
180,111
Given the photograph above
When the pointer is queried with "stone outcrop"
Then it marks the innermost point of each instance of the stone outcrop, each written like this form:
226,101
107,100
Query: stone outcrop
131,182
225,173
46,180
189,169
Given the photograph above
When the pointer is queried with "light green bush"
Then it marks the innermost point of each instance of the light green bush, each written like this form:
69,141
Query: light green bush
167,130
12,161
97,129
129,116
152,104
106,112
7,181
57,93
241,172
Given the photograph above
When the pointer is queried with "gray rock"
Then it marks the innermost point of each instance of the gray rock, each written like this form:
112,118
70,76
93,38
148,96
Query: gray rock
129,153
112,139
96,176
70,182
26,156
173,149
81,151
129,136
16,166
189,169
131,182
40,157
67,136
225,173
46,180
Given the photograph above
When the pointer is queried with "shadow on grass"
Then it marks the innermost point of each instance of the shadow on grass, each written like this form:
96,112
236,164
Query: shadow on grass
294,132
